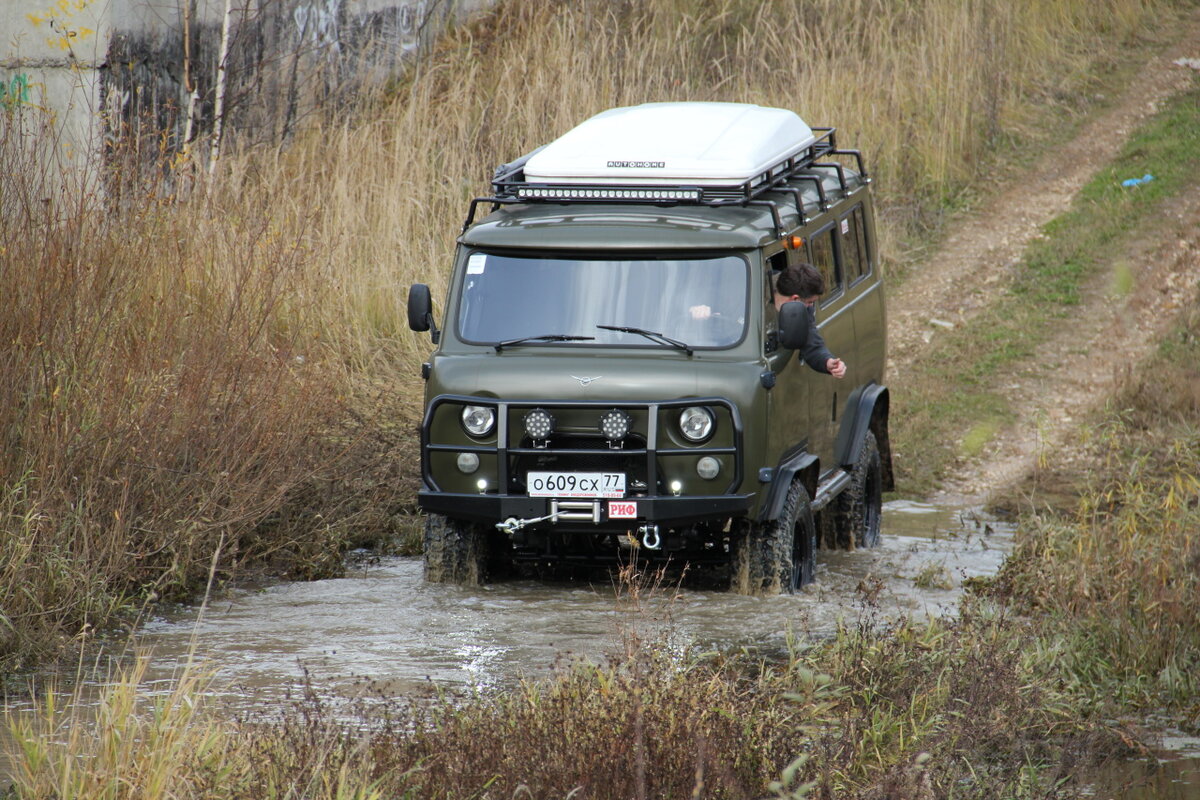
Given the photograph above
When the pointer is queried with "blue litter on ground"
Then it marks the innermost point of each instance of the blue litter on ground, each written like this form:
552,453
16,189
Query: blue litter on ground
1138,181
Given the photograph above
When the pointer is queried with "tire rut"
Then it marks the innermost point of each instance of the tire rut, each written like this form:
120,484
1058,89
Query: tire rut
1079,367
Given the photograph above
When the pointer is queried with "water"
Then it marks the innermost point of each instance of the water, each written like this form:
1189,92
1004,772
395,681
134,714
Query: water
383,623
1172,773
382,628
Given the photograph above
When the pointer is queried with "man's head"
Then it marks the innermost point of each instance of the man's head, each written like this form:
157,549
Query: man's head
800,282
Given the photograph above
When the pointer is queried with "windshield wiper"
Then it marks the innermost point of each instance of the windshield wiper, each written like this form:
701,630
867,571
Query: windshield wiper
653,336
548,337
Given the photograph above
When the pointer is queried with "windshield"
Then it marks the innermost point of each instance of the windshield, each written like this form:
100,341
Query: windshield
698,301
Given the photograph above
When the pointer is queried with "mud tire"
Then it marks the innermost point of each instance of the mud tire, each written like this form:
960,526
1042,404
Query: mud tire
858,511
777,557
455,551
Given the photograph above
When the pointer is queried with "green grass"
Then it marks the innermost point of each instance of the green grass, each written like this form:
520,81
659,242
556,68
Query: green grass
1113,576
954,393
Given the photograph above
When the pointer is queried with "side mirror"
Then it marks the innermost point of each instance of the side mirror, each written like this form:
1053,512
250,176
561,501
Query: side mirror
420,310
794,322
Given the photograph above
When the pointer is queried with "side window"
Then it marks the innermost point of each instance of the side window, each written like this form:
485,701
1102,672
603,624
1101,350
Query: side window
855,242
853,257
775,265
770,316
777,262
822,256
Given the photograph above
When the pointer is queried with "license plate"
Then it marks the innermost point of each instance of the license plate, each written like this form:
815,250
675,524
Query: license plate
576,484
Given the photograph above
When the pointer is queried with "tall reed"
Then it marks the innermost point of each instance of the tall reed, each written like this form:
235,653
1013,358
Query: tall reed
926,89
155,405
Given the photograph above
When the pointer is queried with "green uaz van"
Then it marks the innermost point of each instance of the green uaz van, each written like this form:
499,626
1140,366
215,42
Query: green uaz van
612,376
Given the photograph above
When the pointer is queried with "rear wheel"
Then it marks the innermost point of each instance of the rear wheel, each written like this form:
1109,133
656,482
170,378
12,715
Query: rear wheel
779,556
455,551
859,509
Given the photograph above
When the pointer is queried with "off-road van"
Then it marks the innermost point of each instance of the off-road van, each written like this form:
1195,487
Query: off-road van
612,375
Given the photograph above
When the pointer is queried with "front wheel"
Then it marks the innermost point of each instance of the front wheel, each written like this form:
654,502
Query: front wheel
455,551
779,556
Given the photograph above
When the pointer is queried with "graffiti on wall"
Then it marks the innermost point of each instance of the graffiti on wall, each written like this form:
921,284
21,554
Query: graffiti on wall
17,92
323,25
52,21
317,24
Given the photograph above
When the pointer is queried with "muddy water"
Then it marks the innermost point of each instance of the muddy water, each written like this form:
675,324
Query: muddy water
1172,773
382,622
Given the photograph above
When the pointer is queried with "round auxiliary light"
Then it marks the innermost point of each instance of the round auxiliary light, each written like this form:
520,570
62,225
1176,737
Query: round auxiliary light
539,423
468,463
696,423
615,424
708,468
478,420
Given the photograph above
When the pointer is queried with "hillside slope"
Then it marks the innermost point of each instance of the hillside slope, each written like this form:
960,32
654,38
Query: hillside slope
1094,340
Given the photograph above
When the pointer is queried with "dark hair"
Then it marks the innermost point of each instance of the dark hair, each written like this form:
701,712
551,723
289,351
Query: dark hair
802,280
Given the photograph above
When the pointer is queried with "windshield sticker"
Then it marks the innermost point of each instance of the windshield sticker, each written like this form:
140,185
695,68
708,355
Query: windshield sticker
475,264
846,227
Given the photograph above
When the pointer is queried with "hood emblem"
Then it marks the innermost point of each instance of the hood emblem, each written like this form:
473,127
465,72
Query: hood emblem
586,381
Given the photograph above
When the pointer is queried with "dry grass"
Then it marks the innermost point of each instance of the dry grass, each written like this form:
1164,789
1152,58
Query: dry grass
154,405
925,89
195,370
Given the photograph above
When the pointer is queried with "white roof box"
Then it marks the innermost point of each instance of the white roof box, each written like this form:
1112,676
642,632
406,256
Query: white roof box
671,144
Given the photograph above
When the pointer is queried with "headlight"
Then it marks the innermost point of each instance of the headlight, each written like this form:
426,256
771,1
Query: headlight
696,424
478,420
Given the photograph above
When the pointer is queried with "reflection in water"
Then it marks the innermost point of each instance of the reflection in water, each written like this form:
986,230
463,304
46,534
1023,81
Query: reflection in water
1174,775
382,622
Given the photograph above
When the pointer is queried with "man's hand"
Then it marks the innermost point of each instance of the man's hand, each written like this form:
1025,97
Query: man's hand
836,367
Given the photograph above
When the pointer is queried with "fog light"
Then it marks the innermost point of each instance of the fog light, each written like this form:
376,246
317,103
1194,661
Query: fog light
468,462
538,424
676,487
615,424
482,484
708,468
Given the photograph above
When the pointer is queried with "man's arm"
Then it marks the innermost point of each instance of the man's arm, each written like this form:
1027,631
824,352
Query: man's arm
815,353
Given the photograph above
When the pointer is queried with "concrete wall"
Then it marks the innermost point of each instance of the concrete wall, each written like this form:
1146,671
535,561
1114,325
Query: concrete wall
52,55
107,79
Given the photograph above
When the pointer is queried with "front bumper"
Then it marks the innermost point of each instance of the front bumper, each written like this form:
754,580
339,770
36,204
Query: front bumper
668,512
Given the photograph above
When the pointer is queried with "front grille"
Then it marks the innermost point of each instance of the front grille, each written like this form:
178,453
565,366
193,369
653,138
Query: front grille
576,446
599,457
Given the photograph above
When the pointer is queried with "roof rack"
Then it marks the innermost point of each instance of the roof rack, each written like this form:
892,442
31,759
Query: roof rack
510,186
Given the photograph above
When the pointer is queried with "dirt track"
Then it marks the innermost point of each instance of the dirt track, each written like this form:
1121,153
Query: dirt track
1102,335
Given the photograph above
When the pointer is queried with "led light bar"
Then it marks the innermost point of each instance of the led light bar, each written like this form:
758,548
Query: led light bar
557,193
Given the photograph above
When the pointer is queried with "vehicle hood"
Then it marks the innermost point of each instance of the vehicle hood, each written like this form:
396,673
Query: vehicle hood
660,376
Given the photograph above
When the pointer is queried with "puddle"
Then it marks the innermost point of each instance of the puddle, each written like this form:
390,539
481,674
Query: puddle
384,623
1173,774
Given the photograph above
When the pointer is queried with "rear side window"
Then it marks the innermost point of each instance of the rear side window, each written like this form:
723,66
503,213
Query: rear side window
855,263
822,256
